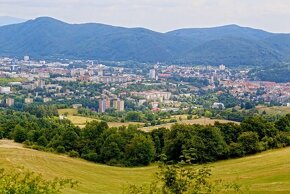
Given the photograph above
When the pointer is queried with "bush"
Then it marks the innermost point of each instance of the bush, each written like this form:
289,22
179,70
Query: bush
42,141
172,121
60,149
249,142
27,143
28,182
236,150
73,154
184,178
37,147
140,151
91,156
19,134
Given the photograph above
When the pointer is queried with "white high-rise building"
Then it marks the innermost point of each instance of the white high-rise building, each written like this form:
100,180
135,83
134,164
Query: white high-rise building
26,58
152,74
222,67
5,90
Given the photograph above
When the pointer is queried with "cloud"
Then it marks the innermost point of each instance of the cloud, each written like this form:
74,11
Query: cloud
161,15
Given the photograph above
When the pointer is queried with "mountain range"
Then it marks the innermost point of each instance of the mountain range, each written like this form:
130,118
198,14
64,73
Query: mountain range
232,45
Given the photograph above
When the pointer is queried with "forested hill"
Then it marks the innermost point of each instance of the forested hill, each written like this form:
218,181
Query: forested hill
231,45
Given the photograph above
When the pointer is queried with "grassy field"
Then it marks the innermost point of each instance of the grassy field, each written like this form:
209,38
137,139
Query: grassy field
201,121
268,172
282,110
93,178
81,121
6,80
68,111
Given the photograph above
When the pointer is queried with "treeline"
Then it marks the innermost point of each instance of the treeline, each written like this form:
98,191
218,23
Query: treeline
222,141
123,146
278,74
197,82
128,146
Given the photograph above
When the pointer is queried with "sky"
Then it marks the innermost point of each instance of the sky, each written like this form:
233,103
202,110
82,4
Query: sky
158,15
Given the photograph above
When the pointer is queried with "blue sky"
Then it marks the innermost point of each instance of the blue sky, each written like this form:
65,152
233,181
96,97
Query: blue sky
160,15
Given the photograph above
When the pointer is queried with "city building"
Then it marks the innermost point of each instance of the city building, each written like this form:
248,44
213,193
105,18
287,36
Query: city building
26,58
28,100
9,101
46,100
152,74
119,105
5,90
39,83
218,105
76,106
104,104
222,67
153,95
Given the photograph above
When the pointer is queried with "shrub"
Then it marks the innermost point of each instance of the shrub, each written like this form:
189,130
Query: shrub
73,154
28,182
91,156
42,141
37,147
249,142
60,149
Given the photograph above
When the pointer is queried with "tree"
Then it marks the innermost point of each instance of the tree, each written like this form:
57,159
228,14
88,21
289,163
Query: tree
112,150
283,124
249,142
158,137
19,134
206,145
184,178
70,139
94,129
134,116
42,141
140,151
259,125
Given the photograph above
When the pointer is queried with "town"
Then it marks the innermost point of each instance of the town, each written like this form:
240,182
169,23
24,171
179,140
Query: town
116,87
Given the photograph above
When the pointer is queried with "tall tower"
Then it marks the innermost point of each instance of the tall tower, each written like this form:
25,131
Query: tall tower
152,74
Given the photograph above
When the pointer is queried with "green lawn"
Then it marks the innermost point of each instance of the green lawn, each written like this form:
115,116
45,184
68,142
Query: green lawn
261,173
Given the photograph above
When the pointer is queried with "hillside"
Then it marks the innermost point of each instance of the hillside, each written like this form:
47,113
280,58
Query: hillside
232,45
268,171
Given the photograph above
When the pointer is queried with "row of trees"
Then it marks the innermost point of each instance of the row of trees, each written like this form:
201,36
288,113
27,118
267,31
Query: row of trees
128,146
222,141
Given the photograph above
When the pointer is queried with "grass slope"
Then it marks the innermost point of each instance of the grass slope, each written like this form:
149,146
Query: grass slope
274,110
268,172
93,178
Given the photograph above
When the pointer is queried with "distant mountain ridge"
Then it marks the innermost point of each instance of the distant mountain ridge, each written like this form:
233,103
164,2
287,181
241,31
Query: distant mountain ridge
231,44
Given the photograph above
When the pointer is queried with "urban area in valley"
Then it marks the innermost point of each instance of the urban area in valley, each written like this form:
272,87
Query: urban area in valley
114,91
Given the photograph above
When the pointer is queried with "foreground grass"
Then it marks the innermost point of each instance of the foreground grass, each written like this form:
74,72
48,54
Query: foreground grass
268,172
92,178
